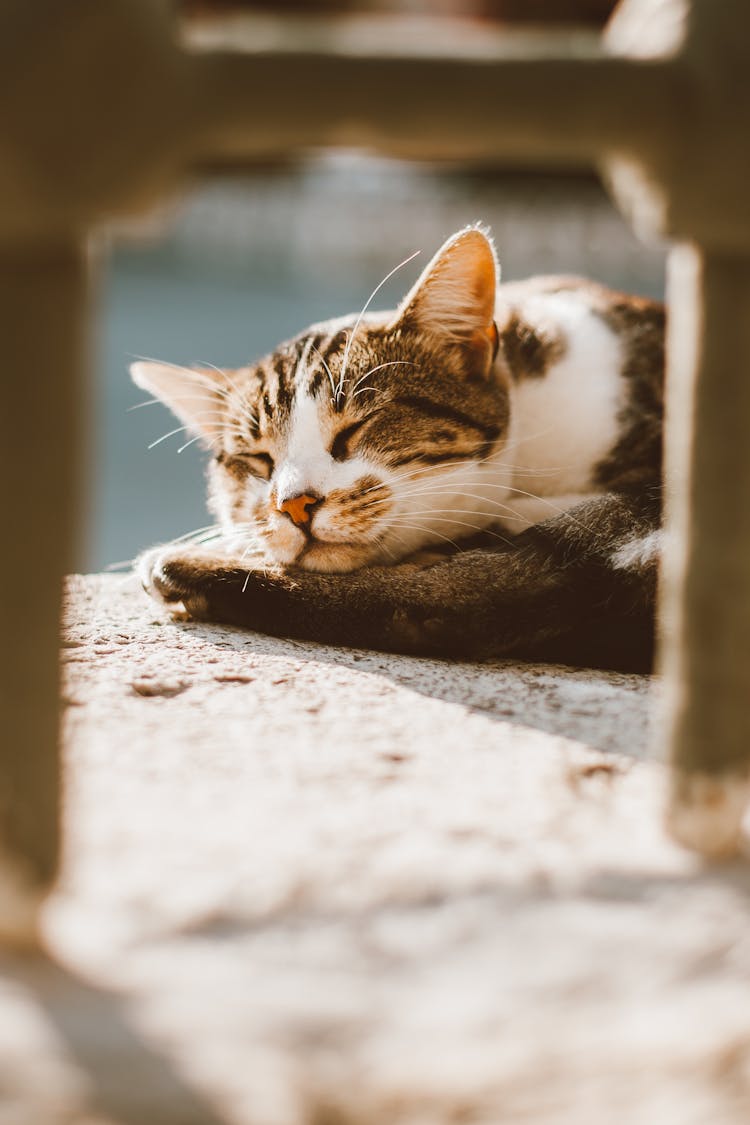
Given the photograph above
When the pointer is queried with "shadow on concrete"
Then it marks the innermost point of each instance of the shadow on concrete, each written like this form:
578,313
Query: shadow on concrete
606,888
731,876
129,1081
584,705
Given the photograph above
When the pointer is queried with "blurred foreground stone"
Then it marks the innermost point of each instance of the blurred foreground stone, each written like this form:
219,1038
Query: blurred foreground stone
313,886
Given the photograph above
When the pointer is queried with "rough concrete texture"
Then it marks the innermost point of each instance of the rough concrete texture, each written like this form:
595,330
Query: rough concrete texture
314,886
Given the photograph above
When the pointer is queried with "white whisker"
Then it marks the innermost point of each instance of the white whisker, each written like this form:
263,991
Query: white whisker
433,531
363,390
444,519
179,430
301,367
138,405
470,511
191,442
347,349
331,379
380,366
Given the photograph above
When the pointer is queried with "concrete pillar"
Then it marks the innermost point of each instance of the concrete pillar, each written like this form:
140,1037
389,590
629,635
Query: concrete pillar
707,569
42,304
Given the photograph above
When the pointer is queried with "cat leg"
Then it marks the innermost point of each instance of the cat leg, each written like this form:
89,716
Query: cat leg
205,559
551,594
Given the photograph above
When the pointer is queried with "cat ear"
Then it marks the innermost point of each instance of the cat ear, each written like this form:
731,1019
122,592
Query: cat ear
195,395
454,300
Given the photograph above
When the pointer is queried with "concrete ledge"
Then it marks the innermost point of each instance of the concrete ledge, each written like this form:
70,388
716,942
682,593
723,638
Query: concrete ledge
326,887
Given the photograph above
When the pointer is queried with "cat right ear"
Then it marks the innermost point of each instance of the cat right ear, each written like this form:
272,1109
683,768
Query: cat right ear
196,396
453,302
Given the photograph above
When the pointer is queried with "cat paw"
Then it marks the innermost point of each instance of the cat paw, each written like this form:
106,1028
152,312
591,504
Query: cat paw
170,578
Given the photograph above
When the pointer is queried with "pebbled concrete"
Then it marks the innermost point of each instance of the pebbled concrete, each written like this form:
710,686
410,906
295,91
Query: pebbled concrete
312,886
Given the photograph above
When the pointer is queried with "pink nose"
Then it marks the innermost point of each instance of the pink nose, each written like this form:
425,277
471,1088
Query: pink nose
296,507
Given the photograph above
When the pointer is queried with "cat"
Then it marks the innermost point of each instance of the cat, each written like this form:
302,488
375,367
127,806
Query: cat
478,474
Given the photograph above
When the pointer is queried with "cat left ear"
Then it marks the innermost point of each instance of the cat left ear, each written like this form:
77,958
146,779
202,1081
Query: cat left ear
195,395
454,300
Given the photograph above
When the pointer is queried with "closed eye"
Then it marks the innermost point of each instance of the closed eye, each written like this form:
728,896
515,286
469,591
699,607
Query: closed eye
264,460
340,444
259,464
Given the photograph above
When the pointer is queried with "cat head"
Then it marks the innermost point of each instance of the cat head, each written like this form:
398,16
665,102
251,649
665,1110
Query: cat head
357,441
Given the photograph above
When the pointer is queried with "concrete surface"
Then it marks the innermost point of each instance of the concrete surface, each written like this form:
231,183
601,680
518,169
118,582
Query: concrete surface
311,886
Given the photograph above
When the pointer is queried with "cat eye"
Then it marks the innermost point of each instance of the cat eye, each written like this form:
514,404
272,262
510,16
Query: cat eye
340,445
258,464
264,461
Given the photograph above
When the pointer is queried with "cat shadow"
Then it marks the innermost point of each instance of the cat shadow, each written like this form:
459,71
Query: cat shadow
607,887
606,711
731,876
125,1078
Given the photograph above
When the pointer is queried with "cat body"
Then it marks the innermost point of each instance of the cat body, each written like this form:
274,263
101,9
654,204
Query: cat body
478,472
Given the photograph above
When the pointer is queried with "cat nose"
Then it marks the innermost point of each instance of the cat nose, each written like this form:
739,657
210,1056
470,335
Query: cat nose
297,507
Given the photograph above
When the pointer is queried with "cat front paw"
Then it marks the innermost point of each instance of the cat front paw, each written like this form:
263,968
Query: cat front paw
172,577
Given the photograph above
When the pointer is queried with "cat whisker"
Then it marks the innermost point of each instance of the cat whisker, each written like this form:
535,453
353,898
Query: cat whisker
440,486
424,469
554,507
428,469
197,535
125,564
413,473
392,554
433,531
219,371
188,443
476,461
328,371
171,433
225,375
197,531
199,415
549,503
156,401
511,515
347,349
212,442
380,366
138,405
211,533
462,523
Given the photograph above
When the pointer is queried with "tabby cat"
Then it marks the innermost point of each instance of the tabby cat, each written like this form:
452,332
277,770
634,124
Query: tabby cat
476,474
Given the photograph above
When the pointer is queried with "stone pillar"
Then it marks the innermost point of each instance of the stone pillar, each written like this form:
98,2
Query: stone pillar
42,304
707,568
94,122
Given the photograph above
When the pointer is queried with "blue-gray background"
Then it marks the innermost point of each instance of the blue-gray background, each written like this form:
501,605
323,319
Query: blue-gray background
236,266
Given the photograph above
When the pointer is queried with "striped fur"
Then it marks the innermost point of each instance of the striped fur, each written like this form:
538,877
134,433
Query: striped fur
471,411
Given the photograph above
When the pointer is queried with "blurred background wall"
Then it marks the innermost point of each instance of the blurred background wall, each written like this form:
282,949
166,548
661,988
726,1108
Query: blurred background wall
237,265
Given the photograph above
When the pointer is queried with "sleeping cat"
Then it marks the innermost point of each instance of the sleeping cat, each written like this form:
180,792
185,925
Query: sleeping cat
476,474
